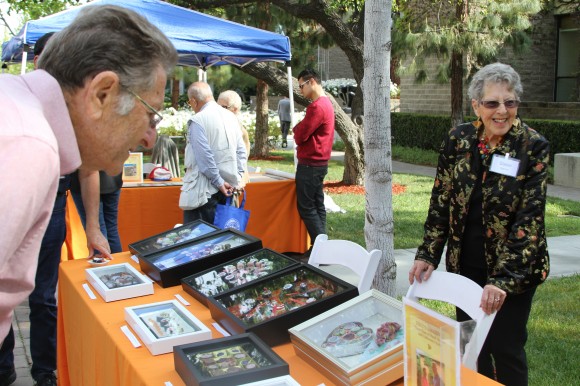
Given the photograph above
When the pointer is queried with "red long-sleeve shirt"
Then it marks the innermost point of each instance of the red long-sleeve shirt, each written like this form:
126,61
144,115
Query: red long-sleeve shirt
315,133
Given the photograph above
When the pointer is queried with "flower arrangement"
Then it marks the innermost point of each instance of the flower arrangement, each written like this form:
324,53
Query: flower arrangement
174,122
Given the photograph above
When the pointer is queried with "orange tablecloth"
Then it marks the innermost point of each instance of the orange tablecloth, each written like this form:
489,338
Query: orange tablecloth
149,210
92,350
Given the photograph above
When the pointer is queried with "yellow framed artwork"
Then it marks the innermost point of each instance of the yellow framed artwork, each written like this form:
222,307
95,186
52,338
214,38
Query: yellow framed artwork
133,168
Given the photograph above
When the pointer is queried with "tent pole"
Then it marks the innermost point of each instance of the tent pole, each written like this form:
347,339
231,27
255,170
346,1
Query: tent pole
292,119
24,59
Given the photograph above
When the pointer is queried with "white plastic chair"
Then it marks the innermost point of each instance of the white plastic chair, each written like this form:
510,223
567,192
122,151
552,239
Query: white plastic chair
463,293
348,254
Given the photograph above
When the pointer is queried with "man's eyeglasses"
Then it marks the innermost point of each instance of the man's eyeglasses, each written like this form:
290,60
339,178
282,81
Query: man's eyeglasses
302,85
509,104
157,117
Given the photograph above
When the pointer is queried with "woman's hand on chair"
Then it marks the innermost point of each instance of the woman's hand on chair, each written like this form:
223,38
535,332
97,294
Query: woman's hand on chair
492,299
421,270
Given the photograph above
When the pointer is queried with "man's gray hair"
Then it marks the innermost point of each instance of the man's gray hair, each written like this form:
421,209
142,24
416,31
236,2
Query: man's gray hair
495,73
232,99
200,91
108,38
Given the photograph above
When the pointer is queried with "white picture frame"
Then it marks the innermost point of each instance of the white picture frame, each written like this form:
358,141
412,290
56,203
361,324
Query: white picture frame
118,282
163,325
376,364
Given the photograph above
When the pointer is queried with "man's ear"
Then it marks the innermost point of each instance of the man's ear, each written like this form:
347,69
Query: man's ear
102,93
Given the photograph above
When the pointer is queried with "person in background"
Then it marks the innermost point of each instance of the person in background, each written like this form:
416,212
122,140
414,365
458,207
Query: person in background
109,194
285,117
488,204
42,300
215,156
314,136
84,108
232,101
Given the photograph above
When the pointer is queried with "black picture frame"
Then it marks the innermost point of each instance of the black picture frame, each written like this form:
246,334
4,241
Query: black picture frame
245,359
171,238
168,267
235,273
265,307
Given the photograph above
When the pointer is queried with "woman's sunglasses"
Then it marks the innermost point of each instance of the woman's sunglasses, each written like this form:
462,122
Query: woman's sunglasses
509,104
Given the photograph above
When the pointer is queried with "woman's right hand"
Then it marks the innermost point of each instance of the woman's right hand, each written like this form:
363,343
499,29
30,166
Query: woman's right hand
420,267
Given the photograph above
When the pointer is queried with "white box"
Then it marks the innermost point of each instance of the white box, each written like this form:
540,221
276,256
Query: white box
165,324
119,281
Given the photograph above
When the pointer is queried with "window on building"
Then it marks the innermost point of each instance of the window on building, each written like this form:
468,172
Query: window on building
568,67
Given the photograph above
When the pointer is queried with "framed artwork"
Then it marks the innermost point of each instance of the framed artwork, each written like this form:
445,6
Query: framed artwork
117,282
356,342
432,346
235,273
170,238
166,324
169,266
268,307
232,360
133,168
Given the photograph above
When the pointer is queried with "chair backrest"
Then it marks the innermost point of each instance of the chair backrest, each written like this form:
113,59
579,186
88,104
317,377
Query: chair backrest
348,254
463,293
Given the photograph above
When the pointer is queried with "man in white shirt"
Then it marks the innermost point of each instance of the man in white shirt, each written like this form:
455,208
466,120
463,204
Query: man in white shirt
215,156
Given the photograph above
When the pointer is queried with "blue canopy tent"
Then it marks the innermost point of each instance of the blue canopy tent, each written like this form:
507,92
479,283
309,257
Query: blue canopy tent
201,40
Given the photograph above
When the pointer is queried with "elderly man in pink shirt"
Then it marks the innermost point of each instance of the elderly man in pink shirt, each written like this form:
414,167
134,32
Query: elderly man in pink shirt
95,97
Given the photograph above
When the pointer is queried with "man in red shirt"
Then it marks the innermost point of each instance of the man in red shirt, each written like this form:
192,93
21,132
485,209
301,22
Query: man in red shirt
314,136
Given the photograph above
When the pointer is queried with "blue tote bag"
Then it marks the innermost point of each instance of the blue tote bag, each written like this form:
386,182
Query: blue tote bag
230,216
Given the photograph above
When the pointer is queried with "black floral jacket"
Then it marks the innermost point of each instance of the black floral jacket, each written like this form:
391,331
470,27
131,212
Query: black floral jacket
513,208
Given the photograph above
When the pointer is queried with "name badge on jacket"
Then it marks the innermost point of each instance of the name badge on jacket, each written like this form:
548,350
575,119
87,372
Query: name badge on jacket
504,165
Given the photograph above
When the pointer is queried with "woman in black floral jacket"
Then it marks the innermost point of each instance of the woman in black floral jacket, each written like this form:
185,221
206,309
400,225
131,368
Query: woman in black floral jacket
487,204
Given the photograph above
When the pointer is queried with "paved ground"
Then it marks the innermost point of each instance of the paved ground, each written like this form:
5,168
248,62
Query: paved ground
564,256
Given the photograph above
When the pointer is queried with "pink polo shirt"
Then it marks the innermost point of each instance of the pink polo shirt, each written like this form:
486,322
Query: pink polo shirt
37,145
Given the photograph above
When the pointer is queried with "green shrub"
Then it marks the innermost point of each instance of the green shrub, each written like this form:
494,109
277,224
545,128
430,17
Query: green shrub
338,146
428,131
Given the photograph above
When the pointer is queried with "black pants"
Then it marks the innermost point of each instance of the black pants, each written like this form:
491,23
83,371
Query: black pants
503,356
310,198
205,212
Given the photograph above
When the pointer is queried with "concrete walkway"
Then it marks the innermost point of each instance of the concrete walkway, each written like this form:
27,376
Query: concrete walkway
564,256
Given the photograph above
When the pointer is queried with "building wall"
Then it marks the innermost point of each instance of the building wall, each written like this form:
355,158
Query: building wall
537,68
430,97
338,65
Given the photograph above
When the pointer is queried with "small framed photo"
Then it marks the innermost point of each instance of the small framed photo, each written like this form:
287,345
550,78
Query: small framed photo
355,342
173,237
270,306
233,360
119,281
164,325
133,168
235,273
169,266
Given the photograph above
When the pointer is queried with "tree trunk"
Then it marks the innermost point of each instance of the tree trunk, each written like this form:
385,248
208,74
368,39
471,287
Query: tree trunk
379,225
175,92
350,133
461,12
261,135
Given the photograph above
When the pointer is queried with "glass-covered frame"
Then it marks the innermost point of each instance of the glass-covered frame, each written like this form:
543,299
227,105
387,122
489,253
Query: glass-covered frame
172,237
235,273
339,339
118,281
169,266
270,306
232,360
163,325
